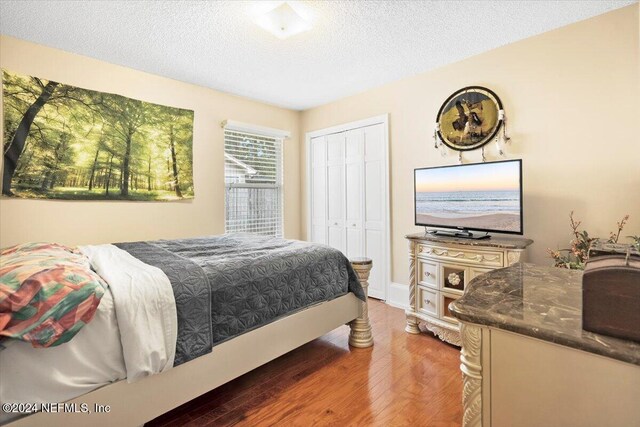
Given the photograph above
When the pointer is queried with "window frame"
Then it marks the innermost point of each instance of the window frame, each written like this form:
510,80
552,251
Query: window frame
261,132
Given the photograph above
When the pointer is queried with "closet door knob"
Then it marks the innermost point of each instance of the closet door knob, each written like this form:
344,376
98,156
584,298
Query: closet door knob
335,223
353,225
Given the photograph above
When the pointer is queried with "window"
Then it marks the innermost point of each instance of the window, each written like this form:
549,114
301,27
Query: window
253,181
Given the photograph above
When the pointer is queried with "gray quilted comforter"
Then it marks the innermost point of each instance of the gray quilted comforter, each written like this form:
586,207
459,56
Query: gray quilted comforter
227,285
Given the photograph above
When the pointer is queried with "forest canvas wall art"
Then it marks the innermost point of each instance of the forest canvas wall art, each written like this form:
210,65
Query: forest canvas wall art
65,142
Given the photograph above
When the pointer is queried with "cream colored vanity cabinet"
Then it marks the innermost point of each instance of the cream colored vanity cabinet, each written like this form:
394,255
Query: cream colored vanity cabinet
440,269
527,362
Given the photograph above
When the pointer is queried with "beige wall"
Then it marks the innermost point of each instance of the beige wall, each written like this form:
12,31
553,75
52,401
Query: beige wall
96,222
571,96
572,101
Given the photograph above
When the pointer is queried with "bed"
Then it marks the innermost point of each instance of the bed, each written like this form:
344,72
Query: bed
210,310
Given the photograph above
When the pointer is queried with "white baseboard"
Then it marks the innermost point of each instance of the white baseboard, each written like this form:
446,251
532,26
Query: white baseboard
376,295
398,295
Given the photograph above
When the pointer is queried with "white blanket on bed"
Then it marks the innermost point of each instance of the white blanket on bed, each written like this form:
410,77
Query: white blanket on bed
92,359
144,306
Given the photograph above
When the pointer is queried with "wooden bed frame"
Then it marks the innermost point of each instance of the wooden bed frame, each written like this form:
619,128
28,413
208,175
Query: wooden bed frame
136,403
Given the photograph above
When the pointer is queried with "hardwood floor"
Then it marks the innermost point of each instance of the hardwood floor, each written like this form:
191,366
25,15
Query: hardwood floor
402,380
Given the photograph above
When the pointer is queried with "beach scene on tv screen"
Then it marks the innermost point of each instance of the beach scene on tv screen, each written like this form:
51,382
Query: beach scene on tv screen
484,196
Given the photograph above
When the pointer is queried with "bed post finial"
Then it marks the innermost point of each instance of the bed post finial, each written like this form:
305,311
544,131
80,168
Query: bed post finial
360,335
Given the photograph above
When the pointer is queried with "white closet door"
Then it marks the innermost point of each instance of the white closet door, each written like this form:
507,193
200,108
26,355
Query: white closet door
354,192
374,209
318,194
335,191
348,207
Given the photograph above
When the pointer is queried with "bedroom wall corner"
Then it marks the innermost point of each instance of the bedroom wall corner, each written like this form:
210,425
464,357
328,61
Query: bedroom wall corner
85,222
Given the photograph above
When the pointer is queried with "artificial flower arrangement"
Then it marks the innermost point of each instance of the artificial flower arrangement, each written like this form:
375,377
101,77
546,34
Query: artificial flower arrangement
576,257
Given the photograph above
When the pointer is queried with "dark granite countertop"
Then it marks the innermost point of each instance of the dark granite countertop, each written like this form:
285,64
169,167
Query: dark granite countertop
540,302
493,242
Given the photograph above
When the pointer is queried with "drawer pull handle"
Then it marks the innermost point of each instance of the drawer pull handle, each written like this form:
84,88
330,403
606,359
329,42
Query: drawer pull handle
335,223
427,274
428,302
353,225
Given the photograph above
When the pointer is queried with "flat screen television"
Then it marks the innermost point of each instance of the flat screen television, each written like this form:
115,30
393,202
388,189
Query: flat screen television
472,197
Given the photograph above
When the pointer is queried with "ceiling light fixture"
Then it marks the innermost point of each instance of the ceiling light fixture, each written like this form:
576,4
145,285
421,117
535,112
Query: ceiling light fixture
283,21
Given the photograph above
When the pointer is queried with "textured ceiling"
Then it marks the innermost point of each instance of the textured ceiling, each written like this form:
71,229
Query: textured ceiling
353,46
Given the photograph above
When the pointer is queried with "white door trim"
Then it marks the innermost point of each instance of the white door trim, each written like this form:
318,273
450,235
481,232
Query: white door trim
381,119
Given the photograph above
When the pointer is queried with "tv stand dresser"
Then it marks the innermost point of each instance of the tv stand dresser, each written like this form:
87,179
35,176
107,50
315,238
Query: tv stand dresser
440,268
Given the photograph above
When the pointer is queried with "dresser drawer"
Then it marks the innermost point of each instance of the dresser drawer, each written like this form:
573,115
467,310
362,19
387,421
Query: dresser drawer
454,278
470,256
427,273
475,272
427,301
446,299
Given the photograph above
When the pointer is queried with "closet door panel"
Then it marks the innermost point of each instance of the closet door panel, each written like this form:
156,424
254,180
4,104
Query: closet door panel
335,148
335,188
319,234
374,202
349,197
374,142
374,209
319,203
335,196
354,186
318,150
318,190
374,158
354,144
353,213
354,242
353,199
336,191
336,238
335,180
374,249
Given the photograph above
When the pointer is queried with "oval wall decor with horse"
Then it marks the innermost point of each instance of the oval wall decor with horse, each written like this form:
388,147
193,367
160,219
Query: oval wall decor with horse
469,118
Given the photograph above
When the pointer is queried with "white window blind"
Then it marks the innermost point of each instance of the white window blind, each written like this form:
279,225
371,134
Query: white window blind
253,181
